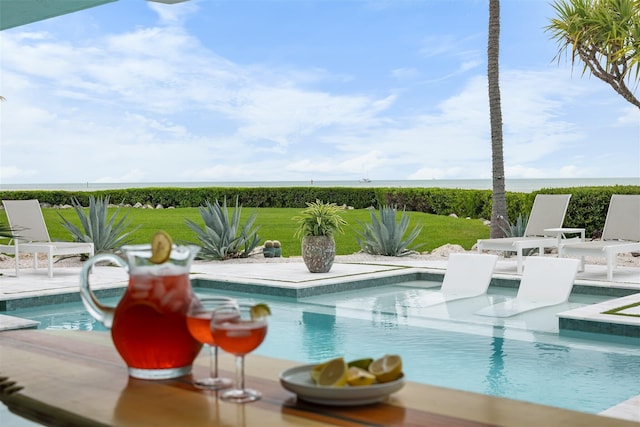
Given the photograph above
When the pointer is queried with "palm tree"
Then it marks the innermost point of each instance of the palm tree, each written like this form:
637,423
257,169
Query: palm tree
499,201
605,35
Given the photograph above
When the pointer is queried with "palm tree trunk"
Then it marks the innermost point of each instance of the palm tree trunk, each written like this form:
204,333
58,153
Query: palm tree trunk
499,202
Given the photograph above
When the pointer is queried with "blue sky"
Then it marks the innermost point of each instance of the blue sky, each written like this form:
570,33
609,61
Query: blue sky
290,90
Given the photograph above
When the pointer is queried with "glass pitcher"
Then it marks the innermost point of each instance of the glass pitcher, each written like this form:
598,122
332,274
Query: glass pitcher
148,326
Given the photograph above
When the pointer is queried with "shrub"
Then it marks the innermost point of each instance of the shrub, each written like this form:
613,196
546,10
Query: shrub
385,236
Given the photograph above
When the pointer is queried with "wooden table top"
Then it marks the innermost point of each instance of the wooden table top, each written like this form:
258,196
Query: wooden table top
75,378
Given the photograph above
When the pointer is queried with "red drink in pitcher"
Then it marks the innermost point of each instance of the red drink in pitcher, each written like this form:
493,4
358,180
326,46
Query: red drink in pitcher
150,326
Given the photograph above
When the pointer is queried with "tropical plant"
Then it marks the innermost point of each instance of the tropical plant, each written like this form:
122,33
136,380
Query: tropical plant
518,228
319,219
223,236
105,233
605,35
385,236
499,198
5,231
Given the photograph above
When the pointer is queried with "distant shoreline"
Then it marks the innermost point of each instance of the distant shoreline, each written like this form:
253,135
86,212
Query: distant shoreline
515,185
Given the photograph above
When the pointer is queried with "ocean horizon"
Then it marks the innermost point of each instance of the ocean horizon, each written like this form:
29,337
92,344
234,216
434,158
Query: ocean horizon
514,185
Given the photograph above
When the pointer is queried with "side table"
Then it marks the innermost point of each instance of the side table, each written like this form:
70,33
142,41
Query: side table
560,234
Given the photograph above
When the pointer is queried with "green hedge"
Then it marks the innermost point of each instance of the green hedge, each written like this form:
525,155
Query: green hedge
265,197
587,208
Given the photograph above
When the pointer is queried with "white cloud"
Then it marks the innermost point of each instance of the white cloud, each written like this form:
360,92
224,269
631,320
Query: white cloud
174,14
630,116
436,173
9,173
405,73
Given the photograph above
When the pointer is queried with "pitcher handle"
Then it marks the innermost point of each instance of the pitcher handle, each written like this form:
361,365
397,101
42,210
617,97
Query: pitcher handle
102,313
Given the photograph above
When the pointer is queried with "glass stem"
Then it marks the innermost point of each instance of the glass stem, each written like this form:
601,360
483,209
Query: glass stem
213,361
240,372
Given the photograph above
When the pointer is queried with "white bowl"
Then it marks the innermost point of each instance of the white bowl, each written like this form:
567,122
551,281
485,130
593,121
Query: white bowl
298,380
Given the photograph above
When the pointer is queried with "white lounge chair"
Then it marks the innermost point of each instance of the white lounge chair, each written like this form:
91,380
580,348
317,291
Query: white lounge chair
548,211
27,223
467,276
621,234
546,281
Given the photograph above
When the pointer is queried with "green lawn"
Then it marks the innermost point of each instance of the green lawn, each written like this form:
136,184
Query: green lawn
277,224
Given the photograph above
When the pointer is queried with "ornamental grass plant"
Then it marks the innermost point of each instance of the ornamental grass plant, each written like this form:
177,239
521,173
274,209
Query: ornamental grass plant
319,219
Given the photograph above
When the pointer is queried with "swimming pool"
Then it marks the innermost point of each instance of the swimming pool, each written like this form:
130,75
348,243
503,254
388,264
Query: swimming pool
522,358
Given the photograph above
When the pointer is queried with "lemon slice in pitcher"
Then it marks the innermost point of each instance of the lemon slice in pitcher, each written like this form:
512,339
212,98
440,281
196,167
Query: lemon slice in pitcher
161,245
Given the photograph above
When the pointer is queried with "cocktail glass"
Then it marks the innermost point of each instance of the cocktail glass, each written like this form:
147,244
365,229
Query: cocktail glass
236,331
199,323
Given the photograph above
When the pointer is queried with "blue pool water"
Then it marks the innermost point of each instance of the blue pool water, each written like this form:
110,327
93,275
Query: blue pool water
522,358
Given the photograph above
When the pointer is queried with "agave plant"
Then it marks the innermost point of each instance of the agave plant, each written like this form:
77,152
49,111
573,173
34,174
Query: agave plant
105,233
385,236
5,231
222,236
517,229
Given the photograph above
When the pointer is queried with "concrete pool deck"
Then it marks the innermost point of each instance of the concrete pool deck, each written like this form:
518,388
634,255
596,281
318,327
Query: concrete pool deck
291,275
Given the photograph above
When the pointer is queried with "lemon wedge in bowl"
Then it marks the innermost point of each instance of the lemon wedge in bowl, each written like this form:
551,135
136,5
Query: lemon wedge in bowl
333,374
387,368
359,377
361,363
315,371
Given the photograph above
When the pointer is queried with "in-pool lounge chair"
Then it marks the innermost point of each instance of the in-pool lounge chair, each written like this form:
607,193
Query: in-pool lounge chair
621,234
27,223
548,211
467,276
546,281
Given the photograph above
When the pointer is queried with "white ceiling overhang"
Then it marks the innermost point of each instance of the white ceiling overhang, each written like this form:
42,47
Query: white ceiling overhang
14,13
